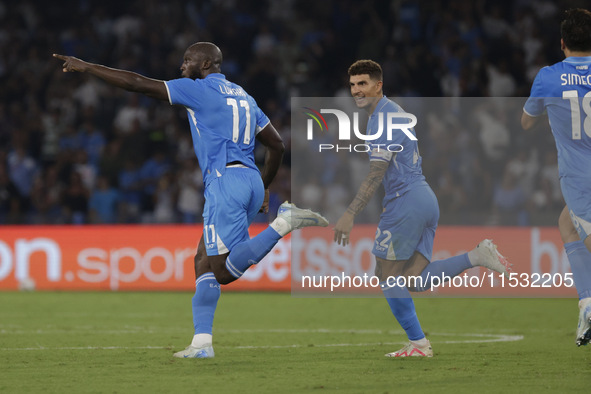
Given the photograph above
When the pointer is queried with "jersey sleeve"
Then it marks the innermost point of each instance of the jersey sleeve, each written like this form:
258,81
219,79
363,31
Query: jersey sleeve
262,120
534,106
383,148
183,91
380,153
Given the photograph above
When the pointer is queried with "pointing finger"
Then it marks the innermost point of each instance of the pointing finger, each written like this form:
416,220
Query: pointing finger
61,57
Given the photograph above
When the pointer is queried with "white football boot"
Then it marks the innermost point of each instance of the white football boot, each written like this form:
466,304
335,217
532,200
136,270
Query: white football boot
196,352
584,327
485,254
412,350
299,218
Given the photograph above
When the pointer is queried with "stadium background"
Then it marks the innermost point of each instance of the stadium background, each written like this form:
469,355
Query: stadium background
65,138
75,151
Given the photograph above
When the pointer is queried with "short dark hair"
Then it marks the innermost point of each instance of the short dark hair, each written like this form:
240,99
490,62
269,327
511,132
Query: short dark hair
369,67
575,30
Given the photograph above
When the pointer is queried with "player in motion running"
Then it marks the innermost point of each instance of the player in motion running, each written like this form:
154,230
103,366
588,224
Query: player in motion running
224,123
564,91
404,238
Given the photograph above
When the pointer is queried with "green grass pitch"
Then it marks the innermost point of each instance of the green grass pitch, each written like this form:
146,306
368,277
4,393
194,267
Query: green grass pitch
274,343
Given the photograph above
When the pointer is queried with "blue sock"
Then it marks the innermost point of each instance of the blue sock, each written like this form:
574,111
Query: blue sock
579,258
251,252
205,300
447,268
403,309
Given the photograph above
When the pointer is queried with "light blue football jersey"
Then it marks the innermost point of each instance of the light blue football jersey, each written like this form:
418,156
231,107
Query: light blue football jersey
224,121
564,91
404,171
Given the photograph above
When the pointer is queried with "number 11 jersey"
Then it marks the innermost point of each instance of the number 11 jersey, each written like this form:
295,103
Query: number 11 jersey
224,121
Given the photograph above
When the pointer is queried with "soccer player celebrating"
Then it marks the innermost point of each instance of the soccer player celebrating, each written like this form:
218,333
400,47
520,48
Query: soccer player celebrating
224,121
564,91
404,238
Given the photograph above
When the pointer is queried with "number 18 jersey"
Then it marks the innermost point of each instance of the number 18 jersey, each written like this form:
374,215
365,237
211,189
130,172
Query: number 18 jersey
224,121
564,91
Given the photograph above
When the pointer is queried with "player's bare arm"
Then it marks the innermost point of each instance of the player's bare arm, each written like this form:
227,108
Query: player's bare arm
127,80
528,121
271,139
377,169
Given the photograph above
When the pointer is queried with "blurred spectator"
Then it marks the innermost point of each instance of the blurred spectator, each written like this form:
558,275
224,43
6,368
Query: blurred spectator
277,50
312,195
264,42
104,202
130,113
53,128
22,169
93,142
85,169
10,199
54,190
524,167
88,94
509,201
190,200
111,161
130,185
164,200
76,200
151,173
500,82
494,134
549,175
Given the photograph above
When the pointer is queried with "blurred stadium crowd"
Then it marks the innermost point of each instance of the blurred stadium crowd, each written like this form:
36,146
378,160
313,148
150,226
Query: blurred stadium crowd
74,150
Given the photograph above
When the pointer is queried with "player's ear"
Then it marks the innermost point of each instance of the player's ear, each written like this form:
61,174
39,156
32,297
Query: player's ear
206,64
562,46
380,84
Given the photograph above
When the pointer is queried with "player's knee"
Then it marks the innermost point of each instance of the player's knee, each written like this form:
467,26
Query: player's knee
218,267
386,269
378,271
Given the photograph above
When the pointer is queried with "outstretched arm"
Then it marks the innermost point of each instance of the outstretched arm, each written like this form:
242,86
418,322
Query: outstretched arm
127,80
275,148
377,169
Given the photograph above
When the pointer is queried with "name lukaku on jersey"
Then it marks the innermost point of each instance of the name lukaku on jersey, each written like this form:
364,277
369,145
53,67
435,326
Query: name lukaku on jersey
232,91
575,79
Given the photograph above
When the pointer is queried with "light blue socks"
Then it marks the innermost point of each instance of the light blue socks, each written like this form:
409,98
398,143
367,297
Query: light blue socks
205,301
403,308
251,252
579,258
